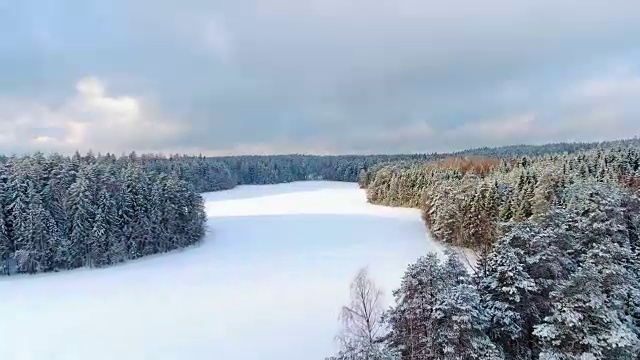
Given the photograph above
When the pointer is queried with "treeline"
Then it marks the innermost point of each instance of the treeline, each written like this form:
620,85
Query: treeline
562,285
286,168
465,200
514,151
220,173
60,212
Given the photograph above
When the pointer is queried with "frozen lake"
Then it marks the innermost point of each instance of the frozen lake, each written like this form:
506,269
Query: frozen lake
267,283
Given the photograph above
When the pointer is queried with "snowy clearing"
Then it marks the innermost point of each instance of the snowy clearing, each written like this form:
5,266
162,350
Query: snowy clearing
267,283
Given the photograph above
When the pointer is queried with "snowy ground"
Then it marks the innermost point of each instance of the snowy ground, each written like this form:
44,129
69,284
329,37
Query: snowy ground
267,283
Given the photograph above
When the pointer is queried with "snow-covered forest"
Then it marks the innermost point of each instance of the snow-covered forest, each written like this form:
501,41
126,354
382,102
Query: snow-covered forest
465,200
555,230
67,212
220,173
558,273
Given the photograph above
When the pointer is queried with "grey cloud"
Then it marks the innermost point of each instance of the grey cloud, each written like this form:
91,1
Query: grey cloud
336,76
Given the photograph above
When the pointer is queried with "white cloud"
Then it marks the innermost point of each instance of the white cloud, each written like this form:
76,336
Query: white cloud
603,106
91,119
497,129
618,82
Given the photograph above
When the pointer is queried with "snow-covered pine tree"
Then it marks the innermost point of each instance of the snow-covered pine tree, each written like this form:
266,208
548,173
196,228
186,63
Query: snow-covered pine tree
19,222
171,216
142,224
507,295
410,331
454,271
116,250
109,203
81,215
6,243
542,195
475,221
128,211
44,234
157,217
525,202
507,208
99,239
461,322
192,215
52,197
587,321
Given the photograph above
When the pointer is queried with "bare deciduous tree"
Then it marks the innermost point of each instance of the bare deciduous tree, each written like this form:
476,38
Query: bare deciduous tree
362,321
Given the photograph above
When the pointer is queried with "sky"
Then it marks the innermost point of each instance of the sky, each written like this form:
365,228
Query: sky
315,76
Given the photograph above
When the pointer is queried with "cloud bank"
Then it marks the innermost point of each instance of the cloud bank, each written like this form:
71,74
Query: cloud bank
92,119
282,76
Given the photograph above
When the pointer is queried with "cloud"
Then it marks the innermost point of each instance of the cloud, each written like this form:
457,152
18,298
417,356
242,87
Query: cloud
91,119
616,86
499,130
320,76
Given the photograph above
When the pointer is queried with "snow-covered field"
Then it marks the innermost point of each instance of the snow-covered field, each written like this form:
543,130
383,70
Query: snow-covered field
267,283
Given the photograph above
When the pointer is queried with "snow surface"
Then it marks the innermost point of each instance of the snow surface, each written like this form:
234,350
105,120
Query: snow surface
267,283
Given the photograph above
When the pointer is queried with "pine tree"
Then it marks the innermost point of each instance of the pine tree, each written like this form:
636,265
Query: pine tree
474,224
116,251
81,214
157,216
507,211
99,239
525,203
461,324
142,225
584,322
44,234
415,300
6,243
6,246
542,195
109,203
128,212
507,296
20,226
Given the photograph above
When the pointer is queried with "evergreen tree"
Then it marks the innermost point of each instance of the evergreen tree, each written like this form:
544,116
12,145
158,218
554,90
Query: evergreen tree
585,322
507,296
81,214
415,300
44,235
23,247
461,322
6,243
